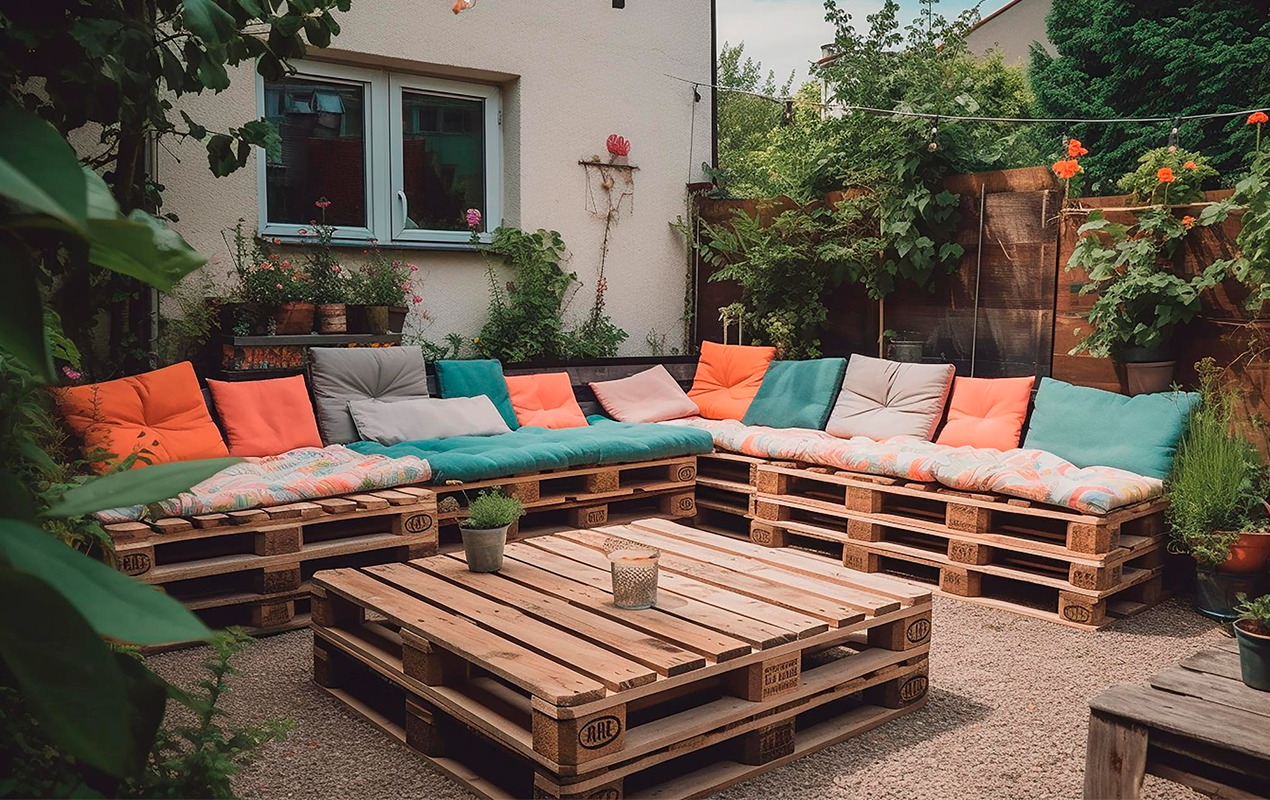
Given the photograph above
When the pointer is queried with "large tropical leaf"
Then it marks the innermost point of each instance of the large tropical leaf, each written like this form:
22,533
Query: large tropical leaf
38,169
211,23
137,486
95,704
22,332
137,245
114,605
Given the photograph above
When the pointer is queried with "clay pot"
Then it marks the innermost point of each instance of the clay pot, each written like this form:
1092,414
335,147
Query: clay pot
1250,554
293,319
332,318
377,320
396,319
1148,377
483,548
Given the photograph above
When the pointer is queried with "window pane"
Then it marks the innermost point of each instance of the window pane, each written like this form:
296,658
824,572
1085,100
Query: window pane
443,160
323,151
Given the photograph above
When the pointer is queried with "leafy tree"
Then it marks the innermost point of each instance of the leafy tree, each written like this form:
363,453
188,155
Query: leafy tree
117,67
1133,58
745,122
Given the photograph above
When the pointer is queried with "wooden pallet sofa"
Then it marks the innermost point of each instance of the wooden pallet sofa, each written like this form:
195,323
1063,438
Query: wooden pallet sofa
910,469
364,469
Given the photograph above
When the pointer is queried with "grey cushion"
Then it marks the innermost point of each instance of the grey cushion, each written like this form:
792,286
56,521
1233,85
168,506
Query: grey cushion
339,375
426,418
881,398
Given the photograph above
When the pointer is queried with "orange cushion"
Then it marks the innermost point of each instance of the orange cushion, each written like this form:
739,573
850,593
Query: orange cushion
728,377
545,401
986,412
265,418
160,415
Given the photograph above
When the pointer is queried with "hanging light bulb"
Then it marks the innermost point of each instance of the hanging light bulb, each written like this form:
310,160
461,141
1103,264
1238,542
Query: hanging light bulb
462,5
934,144
1173,138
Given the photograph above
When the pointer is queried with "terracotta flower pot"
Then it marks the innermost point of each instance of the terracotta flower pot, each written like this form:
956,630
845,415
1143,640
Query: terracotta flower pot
1250,554
377,320
332,318
293,318
396,319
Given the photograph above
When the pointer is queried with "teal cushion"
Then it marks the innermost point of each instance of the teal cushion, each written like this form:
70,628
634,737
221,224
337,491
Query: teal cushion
475,458
476,377
1094,428
797,394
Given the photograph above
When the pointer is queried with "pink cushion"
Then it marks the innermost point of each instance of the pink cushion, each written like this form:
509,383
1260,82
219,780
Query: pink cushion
648,396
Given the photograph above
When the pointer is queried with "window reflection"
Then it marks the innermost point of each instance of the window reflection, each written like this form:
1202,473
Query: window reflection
443,160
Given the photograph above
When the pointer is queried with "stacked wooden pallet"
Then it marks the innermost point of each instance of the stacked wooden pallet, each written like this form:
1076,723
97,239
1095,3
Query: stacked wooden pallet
1057,564
531,682
251,567
579,497
725,492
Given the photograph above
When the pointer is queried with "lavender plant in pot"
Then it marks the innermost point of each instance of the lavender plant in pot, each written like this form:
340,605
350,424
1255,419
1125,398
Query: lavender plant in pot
1252,631
485,529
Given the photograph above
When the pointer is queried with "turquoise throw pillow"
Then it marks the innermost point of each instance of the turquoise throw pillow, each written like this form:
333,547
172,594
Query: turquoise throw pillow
477,377
1095,428
797,394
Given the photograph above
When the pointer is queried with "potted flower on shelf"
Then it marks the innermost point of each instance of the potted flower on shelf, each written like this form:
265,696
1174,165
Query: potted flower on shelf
1252,631
485,529
328,280
1217,510
382,286
1141,296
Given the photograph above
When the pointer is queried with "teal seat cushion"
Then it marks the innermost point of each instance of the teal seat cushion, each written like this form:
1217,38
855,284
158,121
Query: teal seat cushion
797,394
474,377
1094,428
474,458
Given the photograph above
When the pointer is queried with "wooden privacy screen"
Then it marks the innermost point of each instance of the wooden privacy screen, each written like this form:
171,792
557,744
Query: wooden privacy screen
1015,275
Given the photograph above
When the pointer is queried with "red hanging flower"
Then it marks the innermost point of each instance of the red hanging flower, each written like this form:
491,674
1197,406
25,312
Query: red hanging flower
619,145
1188,222
1165,175
1191,165
1258,118
1067,169
1075,149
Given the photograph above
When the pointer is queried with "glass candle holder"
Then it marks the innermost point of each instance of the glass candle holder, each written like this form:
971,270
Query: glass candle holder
634,578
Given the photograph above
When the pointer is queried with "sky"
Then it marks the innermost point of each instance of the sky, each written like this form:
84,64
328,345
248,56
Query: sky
787,34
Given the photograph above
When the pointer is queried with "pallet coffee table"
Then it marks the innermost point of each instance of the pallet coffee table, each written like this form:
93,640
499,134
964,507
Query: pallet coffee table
531,682
1197,724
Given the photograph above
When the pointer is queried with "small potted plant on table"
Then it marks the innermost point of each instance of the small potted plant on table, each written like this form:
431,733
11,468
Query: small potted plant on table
1217,508
1252,630
485,529
382,287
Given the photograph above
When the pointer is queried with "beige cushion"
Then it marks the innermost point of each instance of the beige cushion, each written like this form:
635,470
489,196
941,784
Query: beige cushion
648,396
393,422
881,399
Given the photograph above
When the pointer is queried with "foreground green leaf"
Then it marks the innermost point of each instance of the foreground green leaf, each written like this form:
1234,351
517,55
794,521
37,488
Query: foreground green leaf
38,169
22,332
208,21
137,486
114,605
94,703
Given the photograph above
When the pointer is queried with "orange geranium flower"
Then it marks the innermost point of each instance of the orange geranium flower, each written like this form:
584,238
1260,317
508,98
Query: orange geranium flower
1190,165
1165,175
1258,118
1067,169
1075,149
1188,221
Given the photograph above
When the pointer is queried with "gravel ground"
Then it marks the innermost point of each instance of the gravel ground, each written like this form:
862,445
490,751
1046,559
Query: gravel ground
1006,718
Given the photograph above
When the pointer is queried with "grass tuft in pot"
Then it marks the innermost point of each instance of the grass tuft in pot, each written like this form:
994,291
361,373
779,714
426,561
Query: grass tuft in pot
485,529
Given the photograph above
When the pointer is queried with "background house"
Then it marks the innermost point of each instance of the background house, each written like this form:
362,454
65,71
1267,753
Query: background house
414,115
1012,29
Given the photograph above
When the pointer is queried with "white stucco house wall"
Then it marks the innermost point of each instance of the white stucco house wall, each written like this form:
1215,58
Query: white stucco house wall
1012,29
415,114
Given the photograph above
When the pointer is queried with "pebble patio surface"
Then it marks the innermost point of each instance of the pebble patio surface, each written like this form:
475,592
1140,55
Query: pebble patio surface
1006,718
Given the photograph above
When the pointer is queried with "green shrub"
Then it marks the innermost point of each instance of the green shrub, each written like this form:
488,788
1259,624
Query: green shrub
492,509
1219,479
1144,182
1255,611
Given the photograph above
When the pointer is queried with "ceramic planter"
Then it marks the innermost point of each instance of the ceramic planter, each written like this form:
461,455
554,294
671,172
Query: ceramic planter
484,548
377,320
1248,555
1254,656
1217,591
907,350
355,313
332,318
1147,369
396,319
293,318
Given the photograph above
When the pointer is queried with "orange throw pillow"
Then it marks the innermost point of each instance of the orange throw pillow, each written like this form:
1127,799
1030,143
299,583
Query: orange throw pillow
728,377
265,418
159,414
545,401
986,412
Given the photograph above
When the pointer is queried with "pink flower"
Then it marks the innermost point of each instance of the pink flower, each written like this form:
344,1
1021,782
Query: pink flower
323,203
416,299
70,373
473,217
278,287
286,263
414,268
405,286
276,240
303,231
618,145
336,269
273,256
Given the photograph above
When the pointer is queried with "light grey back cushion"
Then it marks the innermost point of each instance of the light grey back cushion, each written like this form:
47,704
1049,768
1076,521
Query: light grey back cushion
881,398
426,418
343,374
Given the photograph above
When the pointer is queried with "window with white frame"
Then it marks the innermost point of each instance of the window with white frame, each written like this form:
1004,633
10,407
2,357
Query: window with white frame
400,158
